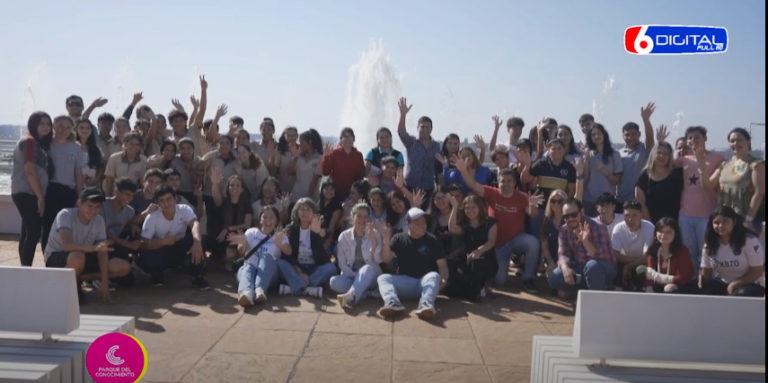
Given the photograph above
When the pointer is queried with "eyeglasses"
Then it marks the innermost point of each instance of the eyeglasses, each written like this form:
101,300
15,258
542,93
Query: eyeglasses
556,201
571,215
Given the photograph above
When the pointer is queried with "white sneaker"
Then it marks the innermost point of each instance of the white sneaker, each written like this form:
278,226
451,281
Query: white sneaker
245,299
285,290
346,300
260,297
425,311
314,291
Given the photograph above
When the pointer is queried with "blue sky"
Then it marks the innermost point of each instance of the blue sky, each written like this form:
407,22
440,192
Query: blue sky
458,62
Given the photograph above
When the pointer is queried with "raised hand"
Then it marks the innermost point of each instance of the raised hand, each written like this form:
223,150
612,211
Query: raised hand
203,83
496,122
479,141
441,158
216,176
221,111
399,179
138,96
195,102
99,102
647,111
317,223
418,197
279,237
285,199
383,229
327,148
453,201
582,147
402,104
662,133
585,232
535,200
176,104
578,164
460,165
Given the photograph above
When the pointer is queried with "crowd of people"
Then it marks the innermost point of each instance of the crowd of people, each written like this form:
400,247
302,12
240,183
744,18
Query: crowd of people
292,214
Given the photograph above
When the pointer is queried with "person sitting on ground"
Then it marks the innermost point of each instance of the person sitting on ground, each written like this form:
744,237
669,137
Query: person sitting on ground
419,258
550,228
606,209
439,216
509,207
732,259
78,241
358,255
143,202
117,215
631,239
170,233
668,263
259,271
398,208
585,257
308,267
476,262
236,214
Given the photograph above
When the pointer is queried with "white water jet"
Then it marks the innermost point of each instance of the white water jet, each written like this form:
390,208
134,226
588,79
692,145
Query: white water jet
373,88
676,125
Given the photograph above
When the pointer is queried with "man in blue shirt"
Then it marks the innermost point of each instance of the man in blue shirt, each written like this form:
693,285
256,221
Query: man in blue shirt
420,169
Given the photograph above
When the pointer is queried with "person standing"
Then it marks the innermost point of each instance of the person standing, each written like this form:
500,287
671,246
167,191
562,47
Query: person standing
420,168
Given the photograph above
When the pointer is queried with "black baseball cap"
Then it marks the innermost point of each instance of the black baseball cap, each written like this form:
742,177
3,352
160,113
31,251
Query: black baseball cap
92,194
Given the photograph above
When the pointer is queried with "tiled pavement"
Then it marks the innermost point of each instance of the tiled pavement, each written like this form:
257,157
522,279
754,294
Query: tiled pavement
194,336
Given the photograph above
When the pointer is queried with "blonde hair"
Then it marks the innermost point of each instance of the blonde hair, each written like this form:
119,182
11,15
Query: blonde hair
557,192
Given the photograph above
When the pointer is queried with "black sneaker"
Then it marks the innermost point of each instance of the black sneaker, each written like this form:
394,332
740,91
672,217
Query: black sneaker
529,287
201,283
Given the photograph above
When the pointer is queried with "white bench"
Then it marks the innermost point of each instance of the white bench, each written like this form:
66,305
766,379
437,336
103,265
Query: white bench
43,336
621,336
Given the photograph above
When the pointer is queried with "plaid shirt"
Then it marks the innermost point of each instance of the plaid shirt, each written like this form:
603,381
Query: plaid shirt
570,247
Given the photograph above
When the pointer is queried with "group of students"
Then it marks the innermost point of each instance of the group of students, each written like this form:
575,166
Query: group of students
296,214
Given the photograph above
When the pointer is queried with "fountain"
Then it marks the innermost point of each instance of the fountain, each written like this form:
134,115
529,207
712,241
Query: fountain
373,89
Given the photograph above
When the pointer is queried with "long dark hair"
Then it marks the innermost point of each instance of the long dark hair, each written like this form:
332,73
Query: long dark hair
282,142
738,234
321,201
313,137
571,149
677,242
743,132
607,148
44,142
444,150
392,217
234,213
94,153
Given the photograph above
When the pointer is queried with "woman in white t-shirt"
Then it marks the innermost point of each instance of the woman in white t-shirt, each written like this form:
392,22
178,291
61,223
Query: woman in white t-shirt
259,270
732,259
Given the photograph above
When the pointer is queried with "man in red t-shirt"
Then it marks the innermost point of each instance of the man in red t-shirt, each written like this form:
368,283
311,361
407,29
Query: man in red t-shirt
509,206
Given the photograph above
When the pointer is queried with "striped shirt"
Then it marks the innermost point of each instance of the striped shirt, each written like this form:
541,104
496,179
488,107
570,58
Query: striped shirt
550,176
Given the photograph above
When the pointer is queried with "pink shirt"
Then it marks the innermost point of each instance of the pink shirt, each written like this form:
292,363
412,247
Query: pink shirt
697,201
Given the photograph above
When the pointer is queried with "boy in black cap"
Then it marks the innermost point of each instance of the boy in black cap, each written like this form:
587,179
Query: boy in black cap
78,240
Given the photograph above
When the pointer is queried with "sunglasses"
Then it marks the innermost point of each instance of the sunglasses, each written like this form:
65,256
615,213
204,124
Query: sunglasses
556,201
571,215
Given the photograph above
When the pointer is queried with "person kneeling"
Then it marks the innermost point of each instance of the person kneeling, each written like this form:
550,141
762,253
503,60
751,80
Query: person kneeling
78,241
264,246
585,257
419,256
359,255
169,234
308,267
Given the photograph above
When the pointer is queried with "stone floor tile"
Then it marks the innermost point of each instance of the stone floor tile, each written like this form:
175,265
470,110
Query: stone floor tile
263,342
223,367
348,346
260,318
438,372
436,350
315,370
436,327
501,374
562,329
509,331
501,352
353,324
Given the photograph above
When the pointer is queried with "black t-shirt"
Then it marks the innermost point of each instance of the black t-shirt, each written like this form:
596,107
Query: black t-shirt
551,176
662,198
416,257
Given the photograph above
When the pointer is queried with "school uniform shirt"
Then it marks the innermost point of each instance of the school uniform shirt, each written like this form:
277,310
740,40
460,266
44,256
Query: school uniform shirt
89,233
729,266
254,236
156,226
119,166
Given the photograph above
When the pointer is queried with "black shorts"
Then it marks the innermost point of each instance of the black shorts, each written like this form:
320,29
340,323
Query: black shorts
59,259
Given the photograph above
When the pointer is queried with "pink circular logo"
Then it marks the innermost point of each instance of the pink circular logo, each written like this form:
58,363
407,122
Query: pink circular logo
116,358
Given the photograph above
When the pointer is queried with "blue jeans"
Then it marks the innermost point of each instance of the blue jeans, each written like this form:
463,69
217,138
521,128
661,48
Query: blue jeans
318,274
249,277
360,283
596,275
692,230
392,287
521,243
